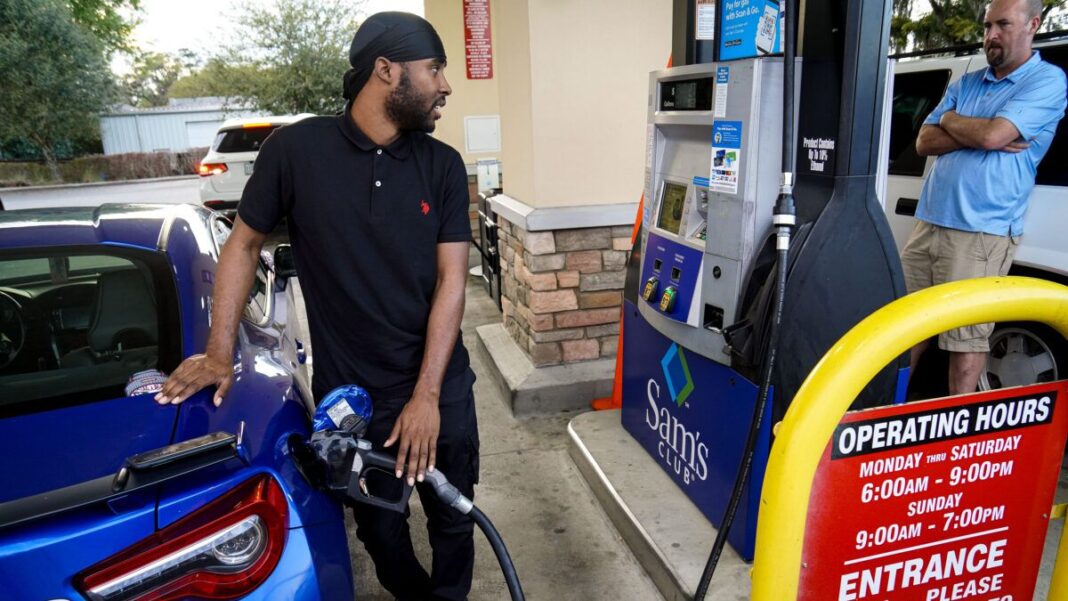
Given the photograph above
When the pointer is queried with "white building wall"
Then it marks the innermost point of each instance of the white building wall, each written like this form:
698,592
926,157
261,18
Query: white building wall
159,130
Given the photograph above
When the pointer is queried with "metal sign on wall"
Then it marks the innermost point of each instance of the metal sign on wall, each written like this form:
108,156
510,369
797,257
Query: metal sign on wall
478,42
944,500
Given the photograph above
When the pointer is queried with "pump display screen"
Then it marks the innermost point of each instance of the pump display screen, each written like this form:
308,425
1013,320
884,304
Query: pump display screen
671,208
686,95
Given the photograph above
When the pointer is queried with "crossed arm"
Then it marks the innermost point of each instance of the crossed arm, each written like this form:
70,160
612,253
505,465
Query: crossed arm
954,132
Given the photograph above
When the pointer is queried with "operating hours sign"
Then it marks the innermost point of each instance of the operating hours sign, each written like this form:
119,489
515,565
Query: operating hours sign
942,500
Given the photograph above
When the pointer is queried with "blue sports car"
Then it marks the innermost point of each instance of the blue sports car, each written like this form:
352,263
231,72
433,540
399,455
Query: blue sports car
106,495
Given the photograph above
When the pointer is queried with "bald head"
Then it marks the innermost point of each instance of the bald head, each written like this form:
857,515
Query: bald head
1010,27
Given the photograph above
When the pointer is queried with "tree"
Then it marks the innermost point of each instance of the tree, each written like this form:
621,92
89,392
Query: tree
104,19
152,76
289,57
217,77
950,23
52,74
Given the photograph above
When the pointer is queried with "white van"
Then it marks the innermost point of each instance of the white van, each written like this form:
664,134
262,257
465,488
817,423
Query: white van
1021,353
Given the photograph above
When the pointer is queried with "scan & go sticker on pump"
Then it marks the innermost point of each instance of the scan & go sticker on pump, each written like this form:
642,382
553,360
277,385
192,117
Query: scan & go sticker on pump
942,500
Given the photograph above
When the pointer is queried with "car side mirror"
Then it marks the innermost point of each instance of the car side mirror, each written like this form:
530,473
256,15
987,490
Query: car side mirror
284,265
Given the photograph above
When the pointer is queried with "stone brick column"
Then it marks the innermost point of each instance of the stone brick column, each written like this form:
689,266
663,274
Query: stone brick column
562,290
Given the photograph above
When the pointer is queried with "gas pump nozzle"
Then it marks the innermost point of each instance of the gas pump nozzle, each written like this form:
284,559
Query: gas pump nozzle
337,459
349,463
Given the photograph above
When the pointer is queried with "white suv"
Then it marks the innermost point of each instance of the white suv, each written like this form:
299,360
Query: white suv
1023,352
228,164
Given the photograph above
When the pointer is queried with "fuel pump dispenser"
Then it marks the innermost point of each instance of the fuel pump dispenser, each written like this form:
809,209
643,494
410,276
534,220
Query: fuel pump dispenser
704,284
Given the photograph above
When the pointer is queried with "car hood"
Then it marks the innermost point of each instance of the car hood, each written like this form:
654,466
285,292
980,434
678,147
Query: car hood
52,449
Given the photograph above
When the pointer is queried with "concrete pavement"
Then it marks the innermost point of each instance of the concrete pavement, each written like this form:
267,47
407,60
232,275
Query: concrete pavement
164,190
562,543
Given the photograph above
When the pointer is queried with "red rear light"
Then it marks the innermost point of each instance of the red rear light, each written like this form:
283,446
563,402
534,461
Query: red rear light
206,169
214,204
224,550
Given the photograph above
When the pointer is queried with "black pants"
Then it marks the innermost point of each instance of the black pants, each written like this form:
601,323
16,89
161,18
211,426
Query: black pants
385,533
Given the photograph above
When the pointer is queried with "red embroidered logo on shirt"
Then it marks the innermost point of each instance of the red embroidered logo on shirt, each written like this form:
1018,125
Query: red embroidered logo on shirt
424,207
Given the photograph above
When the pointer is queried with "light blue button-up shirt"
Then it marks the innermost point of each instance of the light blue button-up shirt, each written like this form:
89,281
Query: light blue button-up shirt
987,191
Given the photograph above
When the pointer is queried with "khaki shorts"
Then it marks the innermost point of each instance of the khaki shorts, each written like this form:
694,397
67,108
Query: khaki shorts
936,255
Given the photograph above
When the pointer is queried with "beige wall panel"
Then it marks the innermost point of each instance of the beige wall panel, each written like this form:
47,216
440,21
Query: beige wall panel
590,76
470,97
570,80
514,85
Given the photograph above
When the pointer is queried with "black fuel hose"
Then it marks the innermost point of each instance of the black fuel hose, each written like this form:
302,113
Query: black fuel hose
452,496
507,567
784,221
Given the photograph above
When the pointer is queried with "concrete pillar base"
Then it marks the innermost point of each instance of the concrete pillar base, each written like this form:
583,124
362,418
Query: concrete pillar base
533,390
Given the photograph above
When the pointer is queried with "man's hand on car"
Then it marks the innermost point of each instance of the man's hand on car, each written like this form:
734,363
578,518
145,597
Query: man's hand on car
417,428
194,374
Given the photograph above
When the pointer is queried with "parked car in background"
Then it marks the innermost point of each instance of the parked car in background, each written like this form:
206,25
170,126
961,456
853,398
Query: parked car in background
105,494
230,160
1021,353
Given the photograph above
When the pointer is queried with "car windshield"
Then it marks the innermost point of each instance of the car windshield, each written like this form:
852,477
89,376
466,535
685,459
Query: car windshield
247,139
79,325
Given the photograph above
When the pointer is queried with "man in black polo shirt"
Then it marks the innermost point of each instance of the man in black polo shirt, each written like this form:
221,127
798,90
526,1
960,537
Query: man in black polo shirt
378,217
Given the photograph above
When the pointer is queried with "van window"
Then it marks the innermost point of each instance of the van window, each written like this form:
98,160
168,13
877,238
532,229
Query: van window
1051,171
915,96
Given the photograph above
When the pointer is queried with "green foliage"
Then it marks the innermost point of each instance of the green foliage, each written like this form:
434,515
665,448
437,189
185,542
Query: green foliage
950,23
52,74
288,57
217,77
104,19
152,76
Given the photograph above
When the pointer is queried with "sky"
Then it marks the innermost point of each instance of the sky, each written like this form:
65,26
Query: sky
167,26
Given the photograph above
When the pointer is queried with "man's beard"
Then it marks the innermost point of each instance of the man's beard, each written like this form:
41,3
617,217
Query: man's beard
996,59
408,110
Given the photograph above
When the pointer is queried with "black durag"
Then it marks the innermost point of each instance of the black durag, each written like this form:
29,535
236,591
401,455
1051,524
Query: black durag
396,36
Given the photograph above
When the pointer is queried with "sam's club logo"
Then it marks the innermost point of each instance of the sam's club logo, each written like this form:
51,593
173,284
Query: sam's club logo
677,374
679,447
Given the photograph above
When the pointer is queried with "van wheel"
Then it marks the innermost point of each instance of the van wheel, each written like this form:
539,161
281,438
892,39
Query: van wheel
1023,354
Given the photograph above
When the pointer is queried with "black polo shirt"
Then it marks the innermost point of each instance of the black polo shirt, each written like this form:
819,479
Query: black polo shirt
364,222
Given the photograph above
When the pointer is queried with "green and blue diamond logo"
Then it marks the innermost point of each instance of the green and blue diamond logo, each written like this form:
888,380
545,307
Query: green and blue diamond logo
677,374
